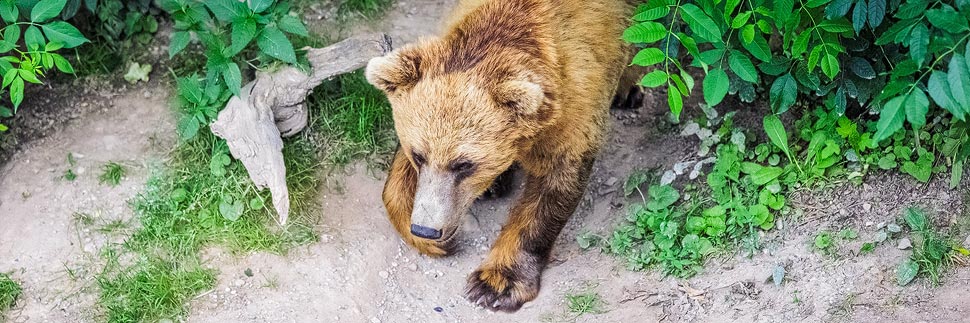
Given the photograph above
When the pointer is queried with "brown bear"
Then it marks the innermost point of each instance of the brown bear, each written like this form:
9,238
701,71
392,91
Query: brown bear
528,82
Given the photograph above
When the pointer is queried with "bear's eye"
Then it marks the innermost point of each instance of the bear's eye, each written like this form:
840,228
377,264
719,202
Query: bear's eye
418,159
462,166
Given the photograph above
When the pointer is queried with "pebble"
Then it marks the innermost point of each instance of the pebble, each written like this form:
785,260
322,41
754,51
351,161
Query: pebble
439,309
904,244
413,267
384,274
612,181
866,207
375,320
239,282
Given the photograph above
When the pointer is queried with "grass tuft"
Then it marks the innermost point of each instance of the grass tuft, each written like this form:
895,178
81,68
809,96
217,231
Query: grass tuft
9,292
366,8
112,173
584,303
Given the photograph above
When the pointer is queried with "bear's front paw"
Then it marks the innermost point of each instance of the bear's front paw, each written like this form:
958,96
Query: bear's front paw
432,248
501,289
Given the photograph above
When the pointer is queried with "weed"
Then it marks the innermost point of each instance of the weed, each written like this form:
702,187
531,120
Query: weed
932,253
69,174
112,173
584,303
366,8
9,292
825,242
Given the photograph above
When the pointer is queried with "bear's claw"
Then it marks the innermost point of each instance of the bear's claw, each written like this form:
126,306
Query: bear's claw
497,290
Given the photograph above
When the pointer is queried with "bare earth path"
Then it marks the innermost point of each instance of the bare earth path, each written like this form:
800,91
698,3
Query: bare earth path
361,272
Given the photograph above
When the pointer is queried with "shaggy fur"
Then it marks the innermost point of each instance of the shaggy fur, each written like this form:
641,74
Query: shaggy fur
524,81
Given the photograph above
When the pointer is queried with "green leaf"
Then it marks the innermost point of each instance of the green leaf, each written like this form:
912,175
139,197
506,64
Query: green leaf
919,39
783,10
801,43
180,39
295,26
862,68
649,56
911,9
188,127
816,3
259,6
747,34
877,11
227,10
957,76
784,91
859,16
232,77
62,64
661,197
695,224
916,107
701,24
46,9
948,20
652,14
29,76
33,38
654,79
16,92
272,42
64,33
9,11
837,8
830,66
836,26
742,66
740,19
890,118
766,174
243,32
645,33
939,90
906,272
675,100
231,210
776,132
716,86
11,35
956,174
759,48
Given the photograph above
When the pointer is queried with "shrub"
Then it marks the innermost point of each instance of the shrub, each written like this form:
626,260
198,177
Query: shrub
897,59
32,36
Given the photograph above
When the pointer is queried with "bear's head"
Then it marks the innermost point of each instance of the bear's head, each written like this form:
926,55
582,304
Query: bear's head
462,120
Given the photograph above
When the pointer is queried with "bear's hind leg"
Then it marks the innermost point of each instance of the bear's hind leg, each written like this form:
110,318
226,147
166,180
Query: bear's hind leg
402,181
510,275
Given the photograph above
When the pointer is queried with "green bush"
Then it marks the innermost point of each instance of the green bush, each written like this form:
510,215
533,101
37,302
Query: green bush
892,58
32,36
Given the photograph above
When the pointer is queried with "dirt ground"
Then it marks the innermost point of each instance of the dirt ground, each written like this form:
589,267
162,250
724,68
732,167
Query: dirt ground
360,271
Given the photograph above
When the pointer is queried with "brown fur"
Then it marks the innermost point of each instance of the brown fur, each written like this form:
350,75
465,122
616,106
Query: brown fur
526,81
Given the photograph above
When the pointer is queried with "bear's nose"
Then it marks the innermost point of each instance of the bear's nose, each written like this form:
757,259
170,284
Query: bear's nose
425,232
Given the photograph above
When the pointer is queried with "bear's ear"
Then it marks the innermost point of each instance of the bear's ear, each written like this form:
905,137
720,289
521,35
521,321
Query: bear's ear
523,97
393,72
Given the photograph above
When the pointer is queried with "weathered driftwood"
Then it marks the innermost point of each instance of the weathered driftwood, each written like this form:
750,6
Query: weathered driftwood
273,106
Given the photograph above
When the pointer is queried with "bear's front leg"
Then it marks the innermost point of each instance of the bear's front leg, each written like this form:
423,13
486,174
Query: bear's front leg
511,274
398,195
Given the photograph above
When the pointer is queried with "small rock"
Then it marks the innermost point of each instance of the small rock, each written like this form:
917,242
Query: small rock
870,223
439,309
383,274
690,129
904,244
238,282
866,207
375,320
681,167
413,267
966,242
612,181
